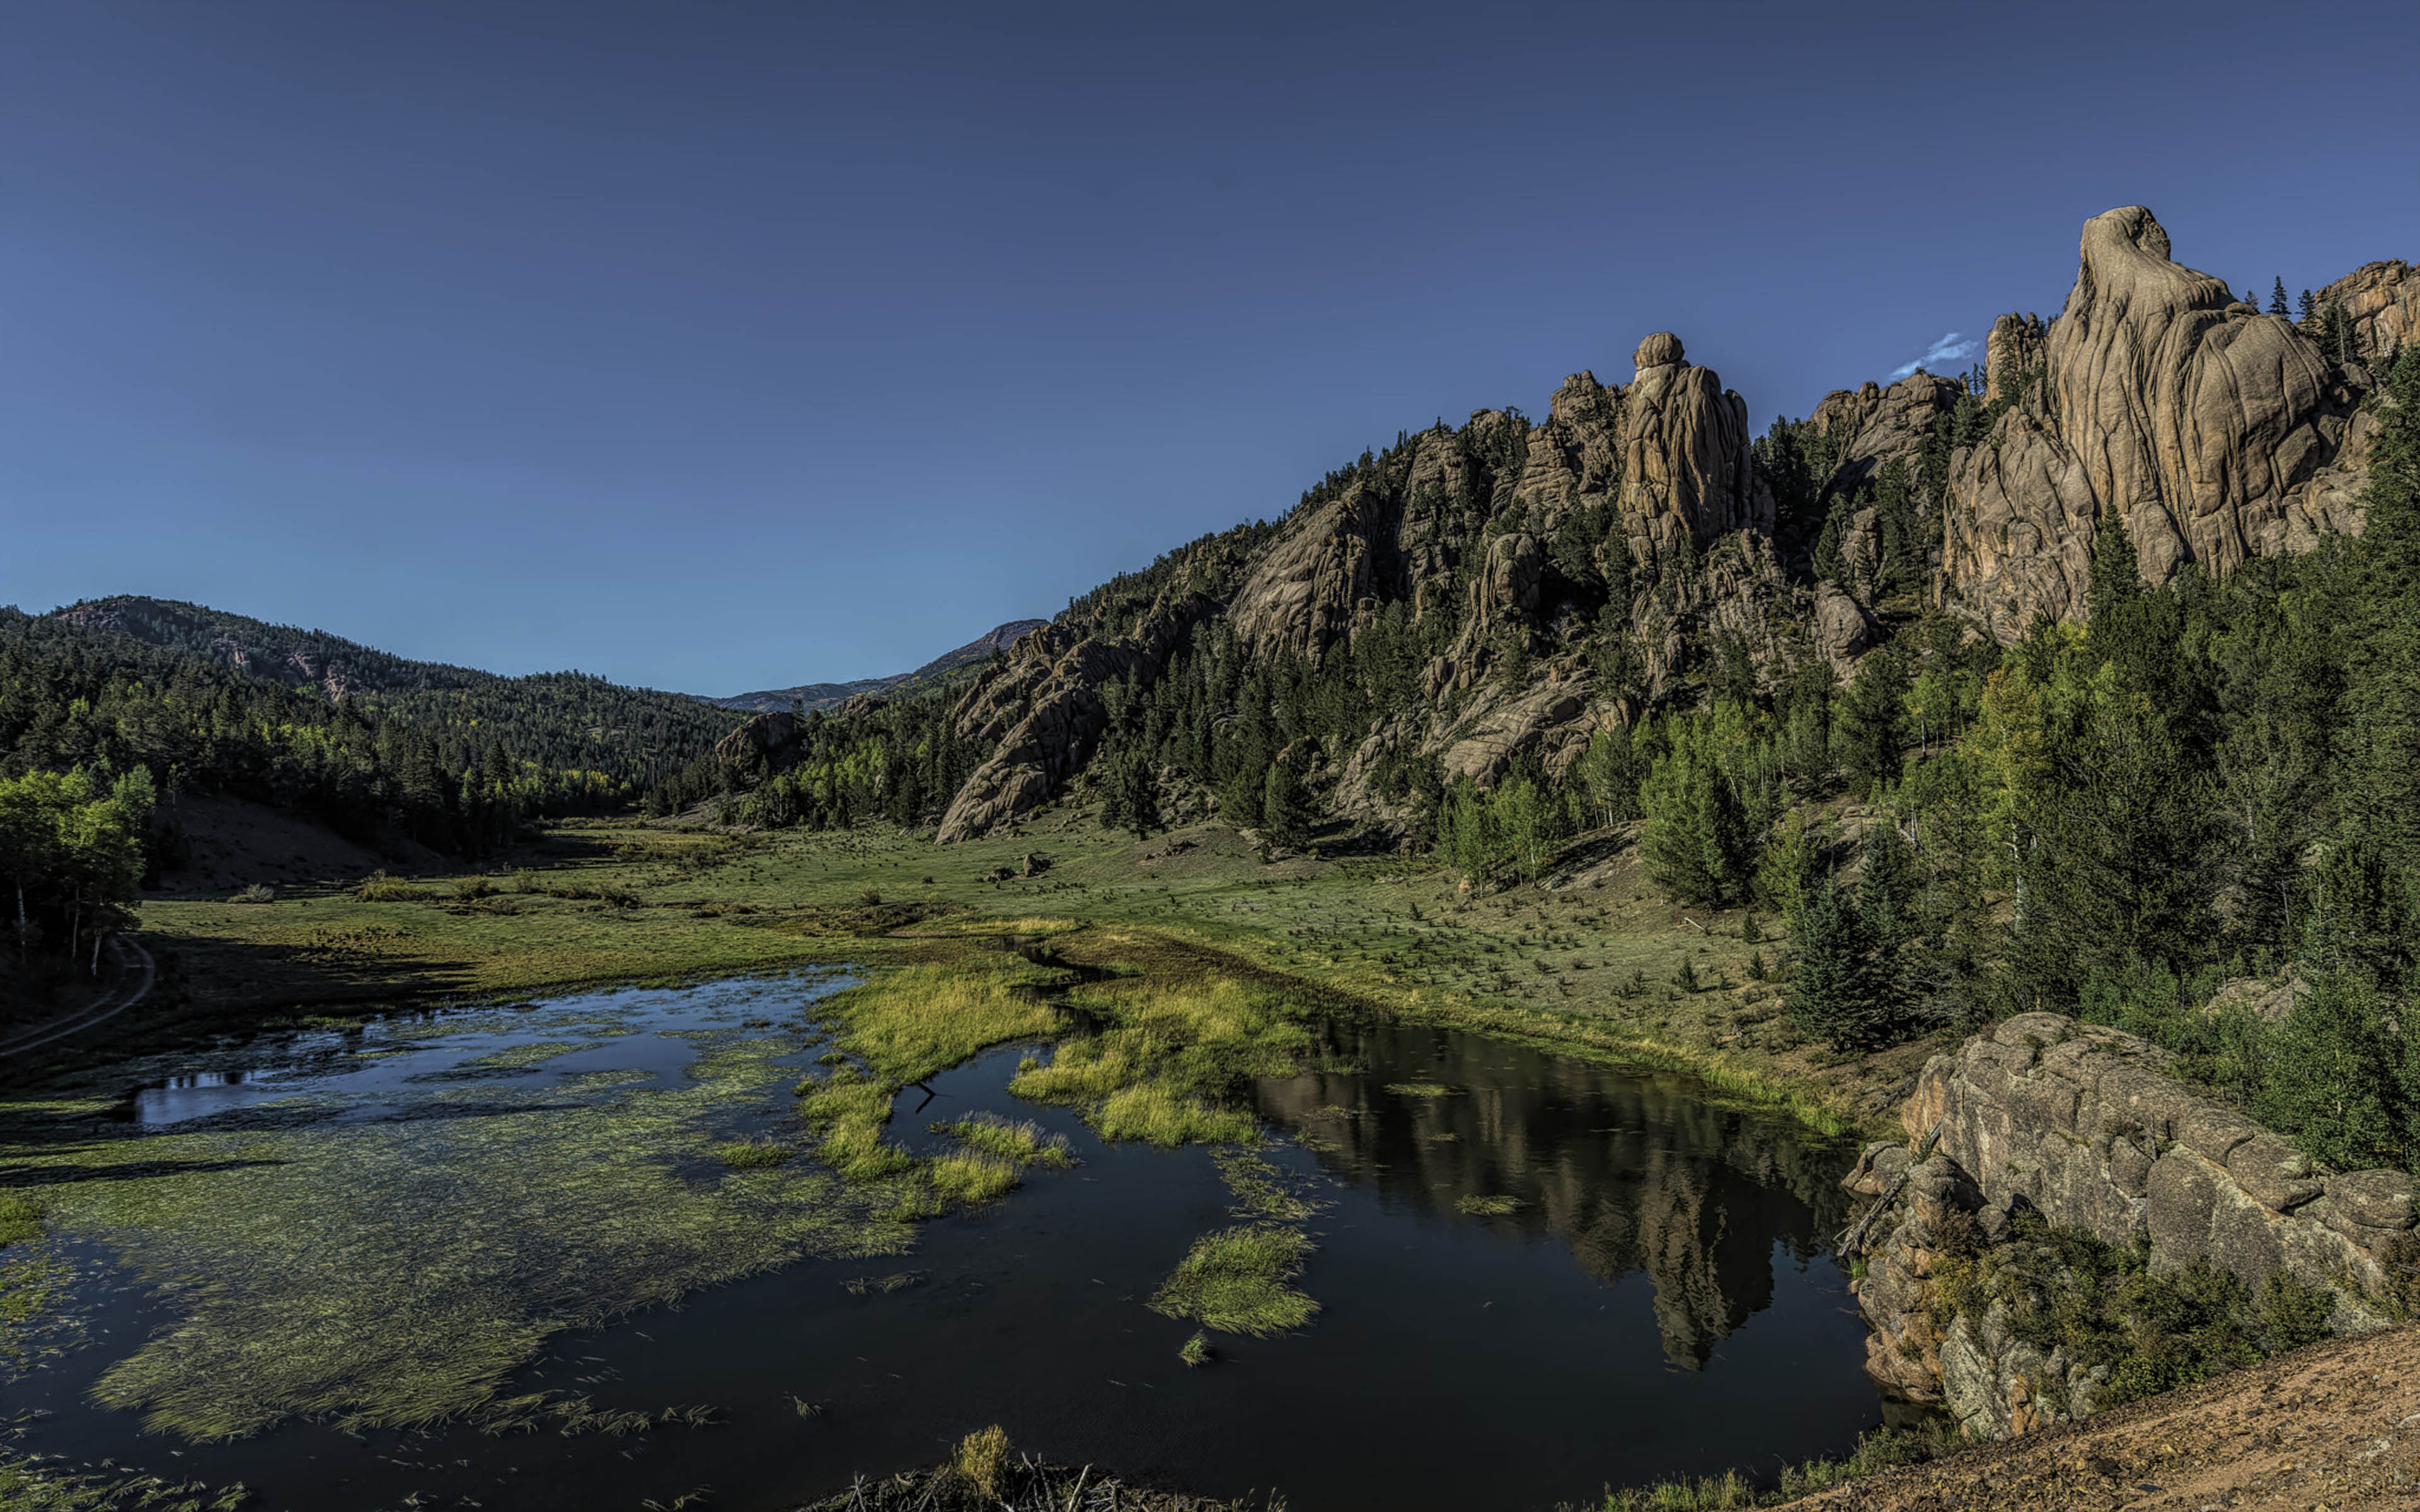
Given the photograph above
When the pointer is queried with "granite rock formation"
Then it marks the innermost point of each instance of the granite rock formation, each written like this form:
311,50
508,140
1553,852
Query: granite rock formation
1633,513
2197,421
2383,302
1041,712
2086,1126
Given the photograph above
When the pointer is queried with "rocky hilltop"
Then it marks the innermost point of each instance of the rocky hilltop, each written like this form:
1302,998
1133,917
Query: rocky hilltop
1564,574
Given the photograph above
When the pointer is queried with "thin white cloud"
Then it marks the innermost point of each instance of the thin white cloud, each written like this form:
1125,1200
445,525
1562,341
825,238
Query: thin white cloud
1947,350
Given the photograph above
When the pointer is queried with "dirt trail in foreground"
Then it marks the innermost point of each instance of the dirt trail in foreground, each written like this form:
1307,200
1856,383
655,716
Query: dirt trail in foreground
2334,1426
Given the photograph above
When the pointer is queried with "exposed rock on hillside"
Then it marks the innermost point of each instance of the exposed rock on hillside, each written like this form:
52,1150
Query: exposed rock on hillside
1685,471
1557,576
760,739
2085,1126
2197,420
1043,711
1303,594
1871,425
2013,350
2383,302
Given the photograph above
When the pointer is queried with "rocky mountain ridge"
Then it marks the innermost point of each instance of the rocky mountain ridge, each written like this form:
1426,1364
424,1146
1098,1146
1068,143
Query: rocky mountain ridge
1570,572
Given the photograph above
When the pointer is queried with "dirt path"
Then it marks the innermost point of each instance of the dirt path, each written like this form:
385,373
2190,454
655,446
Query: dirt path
2334,1426
132,978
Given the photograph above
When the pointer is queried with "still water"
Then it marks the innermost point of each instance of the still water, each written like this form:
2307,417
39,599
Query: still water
1537,1276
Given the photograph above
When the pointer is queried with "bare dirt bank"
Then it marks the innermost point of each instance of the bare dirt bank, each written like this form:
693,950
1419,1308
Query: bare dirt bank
2336,1425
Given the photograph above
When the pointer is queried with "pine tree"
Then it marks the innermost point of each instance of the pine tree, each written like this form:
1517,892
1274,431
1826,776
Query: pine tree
2305,309
2277,297
1832,994
1285,809
2332,1083
2381,699
1869,724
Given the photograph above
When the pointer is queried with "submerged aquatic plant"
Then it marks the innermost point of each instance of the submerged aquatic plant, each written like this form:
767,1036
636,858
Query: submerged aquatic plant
395,1272
1495,1206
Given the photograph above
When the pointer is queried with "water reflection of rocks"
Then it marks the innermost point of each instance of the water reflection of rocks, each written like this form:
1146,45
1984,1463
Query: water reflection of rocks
1634,1172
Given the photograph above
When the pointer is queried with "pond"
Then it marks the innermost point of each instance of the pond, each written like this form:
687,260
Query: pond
1536,1276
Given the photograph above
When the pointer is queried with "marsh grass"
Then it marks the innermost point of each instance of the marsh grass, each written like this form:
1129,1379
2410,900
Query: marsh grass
1168,1055
1488,1207
970,1177
1236,1280
1020,1141
1420,1089
911,1023
1195,1351
20,1218
1260,1189
28,1487
982,1460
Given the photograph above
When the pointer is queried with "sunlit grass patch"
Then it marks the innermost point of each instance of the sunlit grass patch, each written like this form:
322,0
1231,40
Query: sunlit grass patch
1236,1280
970,1177
1156,1112
1195,1350
1020,1140
1166,1057
1492,1206
1420,1089
910,1023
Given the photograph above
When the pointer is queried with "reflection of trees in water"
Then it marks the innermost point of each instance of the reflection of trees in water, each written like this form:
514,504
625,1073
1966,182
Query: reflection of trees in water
1635,1172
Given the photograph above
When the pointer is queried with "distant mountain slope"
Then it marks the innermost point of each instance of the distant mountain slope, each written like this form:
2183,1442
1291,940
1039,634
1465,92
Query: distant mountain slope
973,654
567,720
282,652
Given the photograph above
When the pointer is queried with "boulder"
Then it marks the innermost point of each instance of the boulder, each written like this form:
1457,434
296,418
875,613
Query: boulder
2088,1126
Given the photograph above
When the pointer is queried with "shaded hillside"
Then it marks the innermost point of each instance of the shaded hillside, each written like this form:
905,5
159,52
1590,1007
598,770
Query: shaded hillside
568,721
409,755
949,666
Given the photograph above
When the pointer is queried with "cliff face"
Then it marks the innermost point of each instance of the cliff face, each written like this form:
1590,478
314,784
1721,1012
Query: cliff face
2202,423
1633,511
1043,712
2083,1126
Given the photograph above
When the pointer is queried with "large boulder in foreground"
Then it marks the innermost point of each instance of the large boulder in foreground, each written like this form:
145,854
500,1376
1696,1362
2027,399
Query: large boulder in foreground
2087,1127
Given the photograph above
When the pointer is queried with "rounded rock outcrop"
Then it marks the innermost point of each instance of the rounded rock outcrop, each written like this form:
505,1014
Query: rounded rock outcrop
1661,349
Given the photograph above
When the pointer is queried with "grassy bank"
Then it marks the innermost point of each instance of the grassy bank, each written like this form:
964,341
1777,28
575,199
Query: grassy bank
1595,966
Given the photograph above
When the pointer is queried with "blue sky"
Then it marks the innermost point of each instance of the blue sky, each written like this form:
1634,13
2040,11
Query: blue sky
729,347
